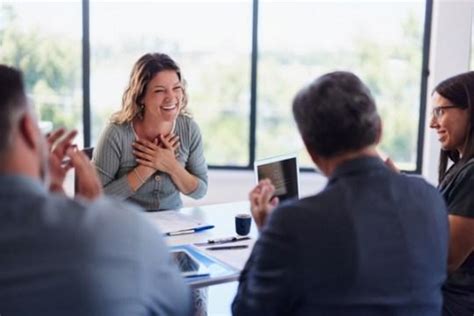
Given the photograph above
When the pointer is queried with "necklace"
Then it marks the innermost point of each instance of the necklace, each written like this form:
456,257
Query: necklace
136,135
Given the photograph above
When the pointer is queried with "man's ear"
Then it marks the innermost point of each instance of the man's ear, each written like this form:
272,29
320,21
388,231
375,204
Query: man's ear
318,160
314,157
378,139
28,131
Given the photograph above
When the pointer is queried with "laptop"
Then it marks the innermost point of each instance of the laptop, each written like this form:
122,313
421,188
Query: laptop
283,172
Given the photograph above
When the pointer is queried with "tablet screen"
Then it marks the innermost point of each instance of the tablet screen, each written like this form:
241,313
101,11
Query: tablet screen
185,262
188,265
282,172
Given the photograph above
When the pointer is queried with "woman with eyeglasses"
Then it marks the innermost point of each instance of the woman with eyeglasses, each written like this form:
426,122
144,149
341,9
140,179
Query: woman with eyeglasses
452,117
453,120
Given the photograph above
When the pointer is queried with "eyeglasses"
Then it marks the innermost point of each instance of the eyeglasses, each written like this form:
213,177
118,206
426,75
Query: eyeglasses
438,111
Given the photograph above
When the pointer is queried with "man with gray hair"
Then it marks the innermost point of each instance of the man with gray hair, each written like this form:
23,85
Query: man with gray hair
372,242
59,256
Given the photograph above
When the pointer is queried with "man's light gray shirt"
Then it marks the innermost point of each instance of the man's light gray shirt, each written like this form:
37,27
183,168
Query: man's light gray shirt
65,257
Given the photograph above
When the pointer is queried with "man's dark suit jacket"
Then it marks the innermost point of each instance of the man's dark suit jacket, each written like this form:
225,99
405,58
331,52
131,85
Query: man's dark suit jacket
373,242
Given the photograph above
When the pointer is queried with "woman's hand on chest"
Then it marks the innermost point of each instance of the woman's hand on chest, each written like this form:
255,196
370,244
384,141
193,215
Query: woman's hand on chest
159,154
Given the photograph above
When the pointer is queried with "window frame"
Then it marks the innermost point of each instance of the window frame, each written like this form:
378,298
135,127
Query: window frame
86,111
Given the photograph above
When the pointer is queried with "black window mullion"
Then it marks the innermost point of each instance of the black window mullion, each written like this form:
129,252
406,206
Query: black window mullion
253,85
86,109
424,84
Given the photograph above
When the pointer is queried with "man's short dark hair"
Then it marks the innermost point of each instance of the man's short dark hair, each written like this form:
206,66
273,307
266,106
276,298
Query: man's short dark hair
12,101
336,114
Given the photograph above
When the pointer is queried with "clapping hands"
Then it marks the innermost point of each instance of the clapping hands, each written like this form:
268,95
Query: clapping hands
58,143
388,161
262,201
60,146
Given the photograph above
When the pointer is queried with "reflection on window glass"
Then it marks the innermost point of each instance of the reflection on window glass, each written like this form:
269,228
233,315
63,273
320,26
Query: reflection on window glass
47,48
379,41
211,43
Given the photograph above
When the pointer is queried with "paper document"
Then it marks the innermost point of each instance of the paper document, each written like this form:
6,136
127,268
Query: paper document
173,221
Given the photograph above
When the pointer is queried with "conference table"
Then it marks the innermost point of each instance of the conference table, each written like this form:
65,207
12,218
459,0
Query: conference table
221,290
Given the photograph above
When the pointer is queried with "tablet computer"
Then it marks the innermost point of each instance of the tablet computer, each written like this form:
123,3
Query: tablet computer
188,265
283,172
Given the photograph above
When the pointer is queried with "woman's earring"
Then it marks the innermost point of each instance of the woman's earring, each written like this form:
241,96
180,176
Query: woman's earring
141,111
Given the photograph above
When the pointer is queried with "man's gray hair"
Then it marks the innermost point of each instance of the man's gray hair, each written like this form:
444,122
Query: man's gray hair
336,114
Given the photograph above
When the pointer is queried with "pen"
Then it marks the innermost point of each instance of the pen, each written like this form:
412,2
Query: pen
189,231
227,247
222,240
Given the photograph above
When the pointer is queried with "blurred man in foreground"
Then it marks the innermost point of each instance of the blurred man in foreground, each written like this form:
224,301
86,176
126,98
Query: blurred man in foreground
59,256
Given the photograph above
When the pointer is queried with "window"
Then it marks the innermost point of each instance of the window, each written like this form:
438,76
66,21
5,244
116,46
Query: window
379,41
211,43
47,48
243,66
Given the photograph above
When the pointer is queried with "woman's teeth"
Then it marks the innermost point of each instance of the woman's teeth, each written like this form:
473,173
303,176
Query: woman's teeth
170,107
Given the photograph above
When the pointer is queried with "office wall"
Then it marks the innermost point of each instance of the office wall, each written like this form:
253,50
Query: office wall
226,186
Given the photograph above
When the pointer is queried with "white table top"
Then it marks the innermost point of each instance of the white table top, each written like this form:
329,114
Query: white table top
222,216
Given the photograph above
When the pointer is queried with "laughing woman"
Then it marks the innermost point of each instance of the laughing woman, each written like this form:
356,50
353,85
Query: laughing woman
453,120
152,149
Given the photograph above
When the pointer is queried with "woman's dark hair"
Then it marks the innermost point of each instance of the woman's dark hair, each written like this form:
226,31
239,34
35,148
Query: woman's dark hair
460,91
336,114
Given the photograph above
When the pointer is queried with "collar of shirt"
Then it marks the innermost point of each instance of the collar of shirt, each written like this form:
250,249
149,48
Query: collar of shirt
357,165
14,183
